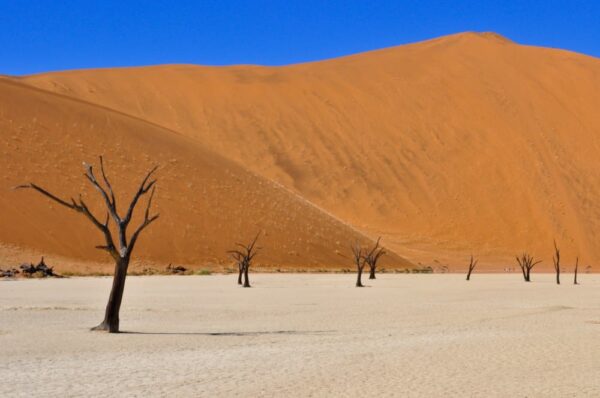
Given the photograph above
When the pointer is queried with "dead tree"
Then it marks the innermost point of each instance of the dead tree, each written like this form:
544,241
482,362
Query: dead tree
39,270
121,250
576,267
359,261
556,262
526,263
472,265
239,259
372,257
243,257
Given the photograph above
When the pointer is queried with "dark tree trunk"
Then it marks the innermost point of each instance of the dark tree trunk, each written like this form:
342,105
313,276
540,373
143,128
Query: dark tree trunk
358,278
528,275
240,275
246,280
472,266
372,273
111,316
576,266
556,261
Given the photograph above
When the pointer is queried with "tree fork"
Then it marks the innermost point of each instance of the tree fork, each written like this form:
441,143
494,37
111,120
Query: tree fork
372,257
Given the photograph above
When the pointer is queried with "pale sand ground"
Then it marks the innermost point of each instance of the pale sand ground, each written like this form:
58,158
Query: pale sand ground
304,335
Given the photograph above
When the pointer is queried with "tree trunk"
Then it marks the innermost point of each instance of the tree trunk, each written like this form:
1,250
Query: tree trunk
558,276
528,276
111,316
372,273
246,280
240,275
358,279
469,275
576,266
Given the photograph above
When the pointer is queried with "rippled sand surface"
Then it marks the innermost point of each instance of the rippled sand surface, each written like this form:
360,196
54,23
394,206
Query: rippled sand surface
301,335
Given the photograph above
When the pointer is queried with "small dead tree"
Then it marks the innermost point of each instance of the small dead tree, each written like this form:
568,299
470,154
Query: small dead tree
556,262
121,250
472,265
576,267
372,257
359,261
243,257
526,263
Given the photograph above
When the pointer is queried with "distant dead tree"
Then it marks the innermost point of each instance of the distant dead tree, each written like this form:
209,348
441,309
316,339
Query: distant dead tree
556,262
121,250
576,268
359,261
526,263
243,257
472,265
373,256
361,258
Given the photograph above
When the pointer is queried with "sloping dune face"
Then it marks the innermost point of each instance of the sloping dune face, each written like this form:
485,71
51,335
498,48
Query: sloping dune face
206,202
465,144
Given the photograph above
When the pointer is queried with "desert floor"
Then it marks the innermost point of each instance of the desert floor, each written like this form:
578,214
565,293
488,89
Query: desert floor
304,335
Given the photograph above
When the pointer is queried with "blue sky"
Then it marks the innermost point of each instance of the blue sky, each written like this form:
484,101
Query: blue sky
45,35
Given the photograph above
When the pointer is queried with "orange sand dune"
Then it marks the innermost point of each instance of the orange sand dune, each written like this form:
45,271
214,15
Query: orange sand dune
463,144
207,203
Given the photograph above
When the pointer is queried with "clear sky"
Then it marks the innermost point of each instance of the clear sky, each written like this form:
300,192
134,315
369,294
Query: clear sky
45,35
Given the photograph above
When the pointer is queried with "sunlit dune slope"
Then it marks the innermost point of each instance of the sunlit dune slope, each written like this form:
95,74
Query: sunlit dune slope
464,144
206,202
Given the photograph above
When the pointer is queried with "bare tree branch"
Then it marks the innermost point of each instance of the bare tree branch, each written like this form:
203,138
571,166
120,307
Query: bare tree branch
80,207
143,189
147,221
110,189
71,205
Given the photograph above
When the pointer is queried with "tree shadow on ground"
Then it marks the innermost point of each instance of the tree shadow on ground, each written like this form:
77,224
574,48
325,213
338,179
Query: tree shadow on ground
256,333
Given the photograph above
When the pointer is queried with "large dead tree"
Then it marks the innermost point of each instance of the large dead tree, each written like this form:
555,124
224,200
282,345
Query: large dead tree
556,262
576,267
359,261
472,265
243,257
372,257
526,263
120,250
